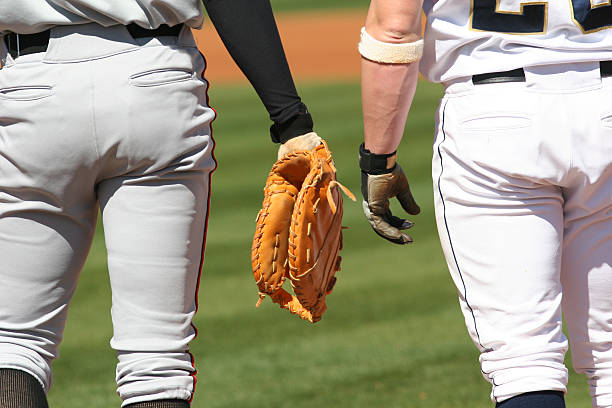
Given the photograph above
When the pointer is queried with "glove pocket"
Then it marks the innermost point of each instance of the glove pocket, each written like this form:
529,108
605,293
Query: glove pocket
292,168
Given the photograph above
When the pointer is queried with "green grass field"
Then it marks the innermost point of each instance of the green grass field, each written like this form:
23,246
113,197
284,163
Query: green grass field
393,335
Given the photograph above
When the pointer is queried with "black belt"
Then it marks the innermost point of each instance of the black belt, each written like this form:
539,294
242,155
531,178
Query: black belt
518,75
23,44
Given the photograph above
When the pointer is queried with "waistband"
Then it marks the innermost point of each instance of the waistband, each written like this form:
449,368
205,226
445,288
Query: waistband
24,44
83,42
554,77
518,75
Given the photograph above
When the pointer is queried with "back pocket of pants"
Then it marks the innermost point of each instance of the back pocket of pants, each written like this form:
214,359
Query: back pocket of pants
496,121
158,77
606,120
26,93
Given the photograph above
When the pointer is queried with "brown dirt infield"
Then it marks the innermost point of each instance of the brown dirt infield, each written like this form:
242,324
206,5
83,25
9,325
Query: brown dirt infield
319,45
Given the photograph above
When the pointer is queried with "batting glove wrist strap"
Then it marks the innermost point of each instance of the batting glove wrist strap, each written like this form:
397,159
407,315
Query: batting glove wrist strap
298,125
372,163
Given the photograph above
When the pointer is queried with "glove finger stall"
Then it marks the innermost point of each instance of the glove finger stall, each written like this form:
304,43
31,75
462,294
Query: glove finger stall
270,243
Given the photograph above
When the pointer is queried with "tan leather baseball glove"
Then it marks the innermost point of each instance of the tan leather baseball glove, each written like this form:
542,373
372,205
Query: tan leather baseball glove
298,235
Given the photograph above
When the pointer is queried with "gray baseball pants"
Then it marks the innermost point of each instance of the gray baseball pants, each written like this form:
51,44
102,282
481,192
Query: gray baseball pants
103,122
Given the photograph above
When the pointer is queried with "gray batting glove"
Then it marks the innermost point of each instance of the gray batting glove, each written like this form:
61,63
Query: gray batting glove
377,190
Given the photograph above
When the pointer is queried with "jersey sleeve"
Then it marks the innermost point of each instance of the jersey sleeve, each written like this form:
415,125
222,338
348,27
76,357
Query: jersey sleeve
249,32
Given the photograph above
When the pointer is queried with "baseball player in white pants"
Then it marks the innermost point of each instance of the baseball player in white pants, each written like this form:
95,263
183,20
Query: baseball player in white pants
522,172
103,106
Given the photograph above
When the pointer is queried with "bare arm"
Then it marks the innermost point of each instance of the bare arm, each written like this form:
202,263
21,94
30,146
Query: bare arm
388,82
388,89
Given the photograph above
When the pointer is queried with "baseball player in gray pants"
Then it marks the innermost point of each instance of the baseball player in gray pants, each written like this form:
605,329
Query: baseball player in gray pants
103,106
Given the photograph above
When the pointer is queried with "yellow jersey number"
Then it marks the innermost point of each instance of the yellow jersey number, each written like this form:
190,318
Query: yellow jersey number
532,17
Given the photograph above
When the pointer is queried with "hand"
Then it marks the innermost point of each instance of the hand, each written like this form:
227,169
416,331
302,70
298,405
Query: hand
377,190
305,142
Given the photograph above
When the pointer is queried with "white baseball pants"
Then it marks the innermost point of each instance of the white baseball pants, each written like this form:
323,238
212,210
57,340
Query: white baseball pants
104,121
523,193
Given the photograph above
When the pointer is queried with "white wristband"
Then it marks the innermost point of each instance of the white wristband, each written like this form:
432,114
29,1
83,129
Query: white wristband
389,53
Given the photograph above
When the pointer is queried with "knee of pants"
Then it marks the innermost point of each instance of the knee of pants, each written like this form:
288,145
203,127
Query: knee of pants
27,358
146,376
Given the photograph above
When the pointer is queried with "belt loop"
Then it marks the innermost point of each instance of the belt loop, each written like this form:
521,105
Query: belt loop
18,46
7,42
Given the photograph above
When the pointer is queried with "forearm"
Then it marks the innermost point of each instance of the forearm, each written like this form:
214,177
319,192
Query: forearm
388,89
249,32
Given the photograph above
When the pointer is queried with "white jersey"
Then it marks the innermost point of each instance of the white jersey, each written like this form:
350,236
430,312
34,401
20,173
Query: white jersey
30,16
467,37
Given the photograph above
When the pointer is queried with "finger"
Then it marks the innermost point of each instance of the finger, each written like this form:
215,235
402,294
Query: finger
408,203
404,195
397,222
383,228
